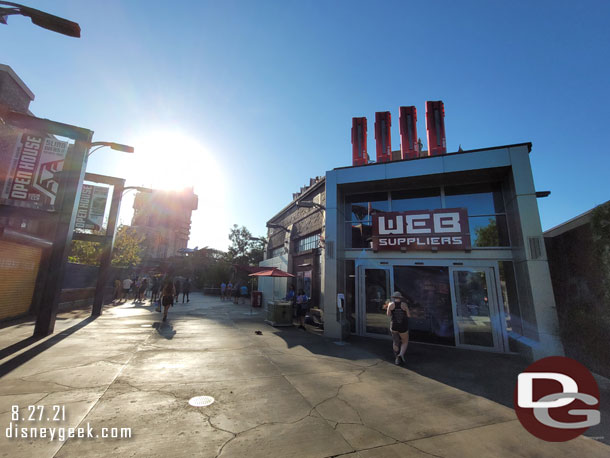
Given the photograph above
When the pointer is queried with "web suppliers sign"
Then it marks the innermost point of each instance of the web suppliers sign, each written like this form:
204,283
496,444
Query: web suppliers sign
442,229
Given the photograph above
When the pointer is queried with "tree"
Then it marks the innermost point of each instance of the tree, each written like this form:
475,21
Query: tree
127,247
244,248
487,235
126,252
85,253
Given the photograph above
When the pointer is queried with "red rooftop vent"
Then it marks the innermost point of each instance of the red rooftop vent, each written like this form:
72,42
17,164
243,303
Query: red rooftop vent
409,147
383,122
435,125
359,152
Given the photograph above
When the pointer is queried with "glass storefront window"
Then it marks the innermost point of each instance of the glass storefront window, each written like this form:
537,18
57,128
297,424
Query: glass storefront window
360,207
429,296
479,199
508,284
488,231
358,234
424,199
483,201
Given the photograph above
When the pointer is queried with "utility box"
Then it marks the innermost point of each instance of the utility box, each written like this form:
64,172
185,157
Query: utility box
279,313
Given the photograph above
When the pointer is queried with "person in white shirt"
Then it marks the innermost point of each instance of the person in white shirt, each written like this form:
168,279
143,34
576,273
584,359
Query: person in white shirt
126,287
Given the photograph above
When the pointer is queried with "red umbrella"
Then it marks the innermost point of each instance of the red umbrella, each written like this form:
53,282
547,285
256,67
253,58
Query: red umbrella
271,272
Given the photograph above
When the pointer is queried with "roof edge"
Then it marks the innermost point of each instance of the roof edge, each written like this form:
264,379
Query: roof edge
18,80
528,144
305,193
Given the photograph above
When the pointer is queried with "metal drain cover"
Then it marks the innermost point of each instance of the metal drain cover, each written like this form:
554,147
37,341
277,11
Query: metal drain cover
201,401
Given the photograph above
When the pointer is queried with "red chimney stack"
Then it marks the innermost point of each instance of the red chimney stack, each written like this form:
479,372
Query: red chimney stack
383,122
435,125
359,151
409,147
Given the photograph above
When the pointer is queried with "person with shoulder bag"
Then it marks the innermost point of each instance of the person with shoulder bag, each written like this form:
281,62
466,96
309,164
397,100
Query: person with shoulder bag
167,296
398,310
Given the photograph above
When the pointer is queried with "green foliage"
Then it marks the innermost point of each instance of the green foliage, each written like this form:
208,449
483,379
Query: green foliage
85,253
127,247
487,235
244,249
209,267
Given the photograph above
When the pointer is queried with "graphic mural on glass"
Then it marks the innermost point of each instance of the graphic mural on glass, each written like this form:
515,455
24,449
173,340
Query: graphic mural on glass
472,308
428,293
377,285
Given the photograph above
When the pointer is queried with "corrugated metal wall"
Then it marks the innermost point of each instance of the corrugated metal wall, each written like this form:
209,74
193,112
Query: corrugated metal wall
18,271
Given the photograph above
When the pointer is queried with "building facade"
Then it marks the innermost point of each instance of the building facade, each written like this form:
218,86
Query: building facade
579,260
391,226
164,219
458,235
23,241
295,240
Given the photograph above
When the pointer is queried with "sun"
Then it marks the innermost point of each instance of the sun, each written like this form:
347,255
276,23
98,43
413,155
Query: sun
173,160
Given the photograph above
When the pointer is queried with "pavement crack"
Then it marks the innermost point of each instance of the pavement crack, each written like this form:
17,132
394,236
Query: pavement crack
423,451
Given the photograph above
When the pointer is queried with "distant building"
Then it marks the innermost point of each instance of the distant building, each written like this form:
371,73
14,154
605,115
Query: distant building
164,218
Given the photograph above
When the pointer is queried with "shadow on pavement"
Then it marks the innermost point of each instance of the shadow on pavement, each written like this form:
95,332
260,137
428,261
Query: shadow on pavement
165,330
490,375
24,357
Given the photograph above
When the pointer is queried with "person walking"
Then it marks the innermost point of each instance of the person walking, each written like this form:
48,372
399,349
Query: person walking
223,289
244,293
236,293
167,296
126,287
142,290
186,289
118,288
302,303
229,291
155,289
398,310
177,288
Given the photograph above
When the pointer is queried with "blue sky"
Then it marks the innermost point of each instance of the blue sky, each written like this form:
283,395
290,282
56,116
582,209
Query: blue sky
262,93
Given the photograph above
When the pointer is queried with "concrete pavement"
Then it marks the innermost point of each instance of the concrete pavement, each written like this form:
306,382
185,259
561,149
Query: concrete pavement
285,393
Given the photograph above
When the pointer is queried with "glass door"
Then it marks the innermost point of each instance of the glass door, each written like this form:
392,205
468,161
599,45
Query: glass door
375,292
475,308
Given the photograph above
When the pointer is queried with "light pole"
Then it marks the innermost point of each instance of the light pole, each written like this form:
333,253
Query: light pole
112,145
41,19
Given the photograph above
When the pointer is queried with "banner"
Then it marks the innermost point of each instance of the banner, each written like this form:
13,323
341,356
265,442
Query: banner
91,207
32,179
442,229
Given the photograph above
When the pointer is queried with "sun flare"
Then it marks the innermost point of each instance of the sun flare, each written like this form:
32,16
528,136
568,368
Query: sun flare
173,160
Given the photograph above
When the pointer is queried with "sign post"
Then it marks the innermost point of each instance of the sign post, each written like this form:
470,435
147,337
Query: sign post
106,240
